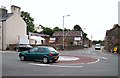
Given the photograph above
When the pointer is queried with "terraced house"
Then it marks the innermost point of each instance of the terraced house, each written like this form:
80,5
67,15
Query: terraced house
12,26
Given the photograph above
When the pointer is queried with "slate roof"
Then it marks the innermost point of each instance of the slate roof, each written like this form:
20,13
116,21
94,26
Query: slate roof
5,16
36,34
67,33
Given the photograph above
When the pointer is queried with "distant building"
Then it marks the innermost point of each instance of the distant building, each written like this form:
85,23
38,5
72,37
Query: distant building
112,38
38,39
12,26
70,38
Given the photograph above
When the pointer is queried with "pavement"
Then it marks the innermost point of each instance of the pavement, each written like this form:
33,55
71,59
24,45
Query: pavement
8,52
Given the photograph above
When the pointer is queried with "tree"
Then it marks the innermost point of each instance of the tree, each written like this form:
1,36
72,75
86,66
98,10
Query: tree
29,21
77,28
42,26
98,42
57,29
85,35
47,31
66,29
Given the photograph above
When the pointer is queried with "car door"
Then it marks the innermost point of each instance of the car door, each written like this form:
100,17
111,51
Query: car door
40,53
32,53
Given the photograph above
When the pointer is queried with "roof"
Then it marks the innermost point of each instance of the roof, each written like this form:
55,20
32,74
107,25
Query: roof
37,38
5,16
24,46
114,27
67,33
15,6
44,46
37,34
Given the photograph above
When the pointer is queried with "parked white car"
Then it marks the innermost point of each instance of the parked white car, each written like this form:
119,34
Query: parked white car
85,46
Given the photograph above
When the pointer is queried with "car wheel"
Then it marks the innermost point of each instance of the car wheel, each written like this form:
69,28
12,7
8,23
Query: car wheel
22,58
45,60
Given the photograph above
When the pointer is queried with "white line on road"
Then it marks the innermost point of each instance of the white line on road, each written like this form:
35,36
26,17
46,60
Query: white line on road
49,65
94,53
104,54
92,62
103,58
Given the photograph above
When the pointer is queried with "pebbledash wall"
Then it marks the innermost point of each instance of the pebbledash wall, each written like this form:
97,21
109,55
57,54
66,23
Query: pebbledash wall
12,26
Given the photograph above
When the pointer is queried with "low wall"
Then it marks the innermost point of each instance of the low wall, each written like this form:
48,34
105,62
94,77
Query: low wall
57,47
60,47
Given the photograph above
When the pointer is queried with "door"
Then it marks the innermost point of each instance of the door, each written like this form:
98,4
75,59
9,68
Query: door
40,53
32,53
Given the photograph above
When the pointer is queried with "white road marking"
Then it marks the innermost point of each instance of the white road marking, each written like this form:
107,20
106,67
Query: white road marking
103,58
110,54
88,52
92,62
104,54
49,65
68,58
74,66
94,53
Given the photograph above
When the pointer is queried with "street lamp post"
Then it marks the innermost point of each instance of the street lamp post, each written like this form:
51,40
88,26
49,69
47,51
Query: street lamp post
63,31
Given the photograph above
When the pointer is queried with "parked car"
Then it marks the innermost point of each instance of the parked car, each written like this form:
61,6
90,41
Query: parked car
97,47
85,46
44,53
20,48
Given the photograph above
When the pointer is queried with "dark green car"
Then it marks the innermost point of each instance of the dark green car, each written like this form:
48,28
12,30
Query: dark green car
44,53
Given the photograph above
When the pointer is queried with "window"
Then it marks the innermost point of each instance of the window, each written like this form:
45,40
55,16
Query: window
34,49
41,49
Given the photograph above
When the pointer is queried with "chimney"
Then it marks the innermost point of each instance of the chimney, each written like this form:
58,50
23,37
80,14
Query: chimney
3,11
15,9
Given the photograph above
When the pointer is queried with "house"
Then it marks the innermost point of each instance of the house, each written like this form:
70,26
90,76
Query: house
112,38
38,39
12,26
70,37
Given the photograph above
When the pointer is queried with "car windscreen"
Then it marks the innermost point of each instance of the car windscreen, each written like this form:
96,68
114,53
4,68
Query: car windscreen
98,45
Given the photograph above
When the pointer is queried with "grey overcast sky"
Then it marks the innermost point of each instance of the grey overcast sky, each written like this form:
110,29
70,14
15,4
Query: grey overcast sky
94,16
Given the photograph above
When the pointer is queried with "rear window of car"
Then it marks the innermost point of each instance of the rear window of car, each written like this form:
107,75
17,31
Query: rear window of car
52,49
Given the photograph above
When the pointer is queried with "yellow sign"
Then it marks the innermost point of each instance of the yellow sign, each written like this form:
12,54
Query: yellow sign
115,49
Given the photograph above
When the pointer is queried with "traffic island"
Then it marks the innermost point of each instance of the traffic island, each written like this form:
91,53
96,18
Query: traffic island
69,59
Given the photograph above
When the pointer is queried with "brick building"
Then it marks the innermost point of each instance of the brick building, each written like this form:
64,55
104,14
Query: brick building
112,38
70,37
